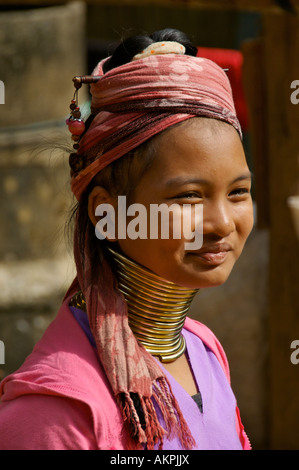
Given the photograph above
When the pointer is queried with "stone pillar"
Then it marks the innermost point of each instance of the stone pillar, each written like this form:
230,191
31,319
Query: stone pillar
41,50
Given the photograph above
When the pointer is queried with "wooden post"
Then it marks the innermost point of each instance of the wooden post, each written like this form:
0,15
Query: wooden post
255,91
281,54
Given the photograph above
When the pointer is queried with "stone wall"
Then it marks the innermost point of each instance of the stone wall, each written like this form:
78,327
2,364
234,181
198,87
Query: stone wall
41,50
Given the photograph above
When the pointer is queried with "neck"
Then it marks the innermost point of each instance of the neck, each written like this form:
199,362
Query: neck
156,308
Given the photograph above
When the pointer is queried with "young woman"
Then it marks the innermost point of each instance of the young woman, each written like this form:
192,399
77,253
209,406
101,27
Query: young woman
121,366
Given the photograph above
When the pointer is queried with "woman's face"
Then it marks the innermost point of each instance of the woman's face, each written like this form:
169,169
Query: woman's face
199,162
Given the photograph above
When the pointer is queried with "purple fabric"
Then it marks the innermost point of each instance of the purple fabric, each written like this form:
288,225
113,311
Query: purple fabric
215,427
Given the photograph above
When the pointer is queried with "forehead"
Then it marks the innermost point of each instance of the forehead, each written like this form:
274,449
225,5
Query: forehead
196,147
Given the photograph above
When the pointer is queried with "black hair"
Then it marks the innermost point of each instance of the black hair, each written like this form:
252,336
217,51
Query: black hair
128,48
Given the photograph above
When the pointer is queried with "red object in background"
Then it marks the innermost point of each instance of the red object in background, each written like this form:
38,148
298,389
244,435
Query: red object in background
232,60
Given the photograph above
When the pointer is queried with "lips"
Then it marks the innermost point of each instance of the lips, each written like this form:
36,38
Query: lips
213,254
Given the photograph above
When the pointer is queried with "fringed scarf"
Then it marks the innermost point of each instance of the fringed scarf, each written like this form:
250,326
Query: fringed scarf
132,103
137,381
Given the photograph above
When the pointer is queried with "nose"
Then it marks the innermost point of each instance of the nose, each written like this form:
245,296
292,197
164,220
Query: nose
218,219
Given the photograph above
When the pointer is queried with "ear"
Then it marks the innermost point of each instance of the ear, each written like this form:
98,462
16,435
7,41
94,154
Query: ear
98,195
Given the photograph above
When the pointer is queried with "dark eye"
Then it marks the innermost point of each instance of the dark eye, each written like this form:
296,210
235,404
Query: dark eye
239,192
189,195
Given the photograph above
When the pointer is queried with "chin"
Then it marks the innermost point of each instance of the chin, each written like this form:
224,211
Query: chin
210,278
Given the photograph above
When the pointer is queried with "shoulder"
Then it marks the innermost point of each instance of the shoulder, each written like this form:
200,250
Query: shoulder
44,422
210,340
61,363
62,374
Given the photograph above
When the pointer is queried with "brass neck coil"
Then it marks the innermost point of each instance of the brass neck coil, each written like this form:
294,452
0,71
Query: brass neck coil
156,308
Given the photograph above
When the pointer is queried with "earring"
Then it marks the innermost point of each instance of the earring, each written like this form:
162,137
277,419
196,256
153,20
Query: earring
75,124
76,127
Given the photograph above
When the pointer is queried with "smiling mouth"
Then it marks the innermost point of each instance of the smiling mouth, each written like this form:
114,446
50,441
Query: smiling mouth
212,255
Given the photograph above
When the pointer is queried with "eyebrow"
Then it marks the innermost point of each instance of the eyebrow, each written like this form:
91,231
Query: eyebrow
181,181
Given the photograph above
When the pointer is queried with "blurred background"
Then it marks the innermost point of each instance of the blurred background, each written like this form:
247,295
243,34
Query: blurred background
256,313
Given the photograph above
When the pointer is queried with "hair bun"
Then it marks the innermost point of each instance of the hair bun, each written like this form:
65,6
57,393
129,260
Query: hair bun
129,48
159,48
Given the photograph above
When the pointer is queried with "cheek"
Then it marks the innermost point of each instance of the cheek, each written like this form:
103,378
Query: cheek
244,221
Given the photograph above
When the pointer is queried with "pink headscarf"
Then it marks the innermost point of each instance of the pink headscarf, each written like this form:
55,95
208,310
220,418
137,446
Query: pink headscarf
142,98
132,103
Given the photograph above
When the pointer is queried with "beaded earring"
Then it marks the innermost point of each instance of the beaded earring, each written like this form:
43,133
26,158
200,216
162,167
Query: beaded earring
76,124
76,127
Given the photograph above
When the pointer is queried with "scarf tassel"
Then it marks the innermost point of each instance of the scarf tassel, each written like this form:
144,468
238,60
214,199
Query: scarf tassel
142,422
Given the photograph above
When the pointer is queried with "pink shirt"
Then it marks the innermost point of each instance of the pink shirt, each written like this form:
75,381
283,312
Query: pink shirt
60,398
